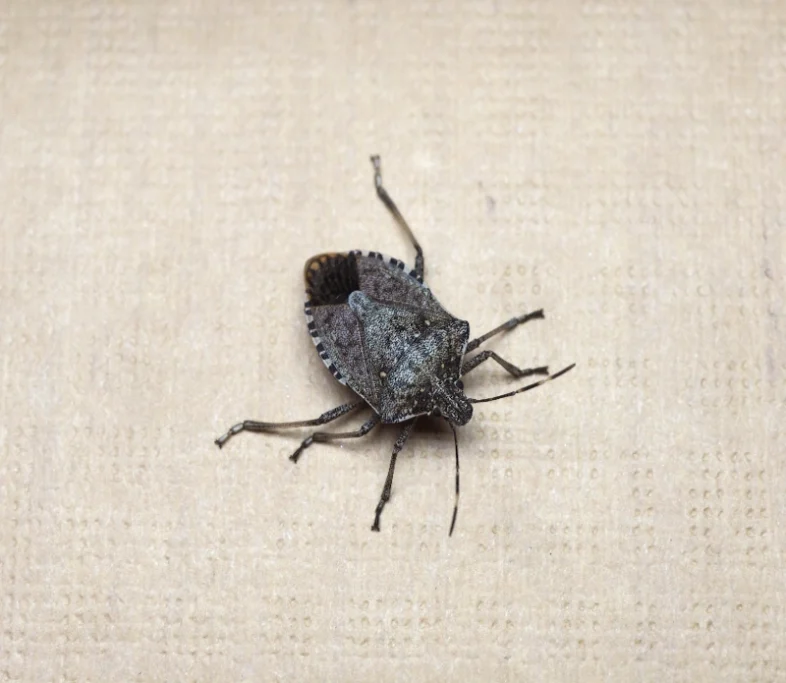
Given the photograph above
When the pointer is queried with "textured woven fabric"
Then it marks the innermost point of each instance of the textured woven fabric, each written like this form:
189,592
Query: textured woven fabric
166,168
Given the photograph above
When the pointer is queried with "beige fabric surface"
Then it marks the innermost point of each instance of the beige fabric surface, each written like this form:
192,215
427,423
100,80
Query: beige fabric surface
166,168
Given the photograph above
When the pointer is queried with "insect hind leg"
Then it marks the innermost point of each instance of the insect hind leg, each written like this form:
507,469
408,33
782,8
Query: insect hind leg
391,206
256,426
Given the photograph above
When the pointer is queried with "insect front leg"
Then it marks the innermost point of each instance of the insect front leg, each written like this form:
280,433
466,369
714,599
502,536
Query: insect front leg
388,202
483,356
385,497
256,426
504,327
321,437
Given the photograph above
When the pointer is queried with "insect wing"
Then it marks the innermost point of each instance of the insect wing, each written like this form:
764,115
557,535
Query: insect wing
389,281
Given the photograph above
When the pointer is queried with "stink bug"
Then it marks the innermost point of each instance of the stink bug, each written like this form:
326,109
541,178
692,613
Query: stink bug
381,332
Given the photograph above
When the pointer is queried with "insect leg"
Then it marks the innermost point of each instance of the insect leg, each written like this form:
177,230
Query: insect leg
483,356
534,385
504,327
321,437
388,202
255,426
385,497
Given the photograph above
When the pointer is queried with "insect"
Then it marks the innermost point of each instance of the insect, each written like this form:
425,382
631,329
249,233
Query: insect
381,332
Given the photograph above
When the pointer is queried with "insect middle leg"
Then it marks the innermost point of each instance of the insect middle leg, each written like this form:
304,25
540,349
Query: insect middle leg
385,497
504,327
483,356
388,202
256,426
321,437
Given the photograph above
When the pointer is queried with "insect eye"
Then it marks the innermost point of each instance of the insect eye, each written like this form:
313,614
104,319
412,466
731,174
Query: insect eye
460,384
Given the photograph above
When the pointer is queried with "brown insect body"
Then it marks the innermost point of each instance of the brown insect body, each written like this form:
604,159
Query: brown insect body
381,332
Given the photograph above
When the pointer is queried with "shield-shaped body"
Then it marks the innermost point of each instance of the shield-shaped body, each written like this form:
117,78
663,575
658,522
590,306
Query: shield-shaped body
382,332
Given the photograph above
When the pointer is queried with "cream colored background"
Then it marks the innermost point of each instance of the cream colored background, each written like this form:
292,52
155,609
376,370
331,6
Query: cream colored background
166,169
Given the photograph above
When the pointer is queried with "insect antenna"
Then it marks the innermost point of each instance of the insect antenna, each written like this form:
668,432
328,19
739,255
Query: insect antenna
455,506
523,389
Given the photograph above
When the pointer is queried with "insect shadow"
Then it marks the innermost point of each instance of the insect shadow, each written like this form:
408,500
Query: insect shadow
381,332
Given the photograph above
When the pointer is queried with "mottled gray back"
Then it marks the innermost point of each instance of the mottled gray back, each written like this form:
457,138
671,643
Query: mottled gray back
389,339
